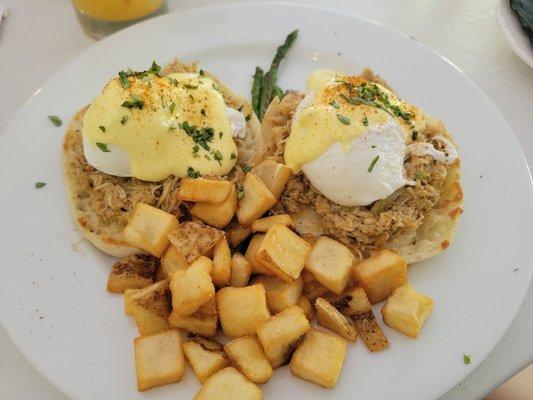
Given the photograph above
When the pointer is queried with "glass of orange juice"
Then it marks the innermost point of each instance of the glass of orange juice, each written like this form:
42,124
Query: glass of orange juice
100,18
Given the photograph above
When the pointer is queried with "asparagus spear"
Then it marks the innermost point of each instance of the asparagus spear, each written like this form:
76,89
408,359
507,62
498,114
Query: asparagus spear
257,89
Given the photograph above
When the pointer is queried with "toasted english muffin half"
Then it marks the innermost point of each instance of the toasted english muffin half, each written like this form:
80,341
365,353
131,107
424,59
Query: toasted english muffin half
101,204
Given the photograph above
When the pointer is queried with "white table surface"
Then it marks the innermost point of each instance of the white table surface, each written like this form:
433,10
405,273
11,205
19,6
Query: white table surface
40,36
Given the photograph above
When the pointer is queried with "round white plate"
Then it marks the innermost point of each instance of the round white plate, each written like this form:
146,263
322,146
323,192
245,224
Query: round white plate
514,33
53,300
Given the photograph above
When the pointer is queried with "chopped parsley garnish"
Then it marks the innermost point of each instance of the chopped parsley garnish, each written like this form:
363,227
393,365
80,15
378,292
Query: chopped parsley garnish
246,168
123,78
344,119
420,176
201,136
173,81
192,173
248,117
372,164
216,87
334,104
102,128
188,86
134,102
202,111
103,147
207,157
154,69
467,359
218,156
124,119
201,73
171,128
240,191
39,185
172,107
195,150
233,156
55,120
365,121
414,135
373,146
220,135
398,112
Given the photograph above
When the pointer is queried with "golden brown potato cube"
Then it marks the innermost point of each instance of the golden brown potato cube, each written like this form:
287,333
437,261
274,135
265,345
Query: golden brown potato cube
206,343
331,263
319,358
380,274
283,253
329,317
406,310
203,322
242,310
228,384
248,356
241,270
306,307
132,272
281,334
217,215
193,287
250,254
280,294
127,300
204,362
150,306
172,261
312,288
201,190
148,229
159,359
221,272
309,238
193,239
256,201
274,175
237,233
264,224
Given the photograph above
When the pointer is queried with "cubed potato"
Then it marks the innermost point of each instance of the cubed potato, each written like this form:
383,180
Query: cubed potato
148,228
204,362
306,307
159,359
283,253
150,306
201,190
206,343
406,310
237,233
251,252
319,358
241,310
355,304
159,274
256,201
217,215
380,274
264,224
221,273
203,322
228,384
241,270
331,263
172,261
193,287
309,238
193,239
280,294
281,334
274,175
132,272
312,288
248,356
331,318
127,300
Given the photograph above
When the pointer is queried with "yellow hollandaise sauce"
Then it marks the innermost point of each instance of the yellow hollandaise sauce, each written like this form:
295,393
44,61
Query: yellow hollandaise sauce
173,125
117,10
340,108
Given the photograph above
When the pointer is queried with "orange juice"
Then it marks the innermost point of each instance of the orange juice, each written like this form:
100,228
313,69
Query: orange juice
117,10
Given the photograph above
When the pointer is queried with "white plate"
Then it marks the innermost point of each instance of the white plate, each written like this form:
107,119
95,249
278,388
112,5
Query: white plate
514,33
53,301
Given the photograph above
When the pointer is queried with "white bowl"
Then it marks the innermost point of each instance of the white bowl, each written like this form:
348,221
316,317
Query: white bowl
514,33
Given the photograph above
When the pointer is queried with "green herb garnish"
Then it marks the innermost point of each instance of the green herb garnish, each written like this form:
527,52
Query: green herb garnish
467,359
134,102
171,128
172,107
420,176
201,73
246,168
240,191
124,119
372,164
154,69
103,147
218,156
344,119
189,86
334,104
124,81
55,120
414,135
220,134
365,121
102,128
195,150
201,136
192,173
39,185
233,156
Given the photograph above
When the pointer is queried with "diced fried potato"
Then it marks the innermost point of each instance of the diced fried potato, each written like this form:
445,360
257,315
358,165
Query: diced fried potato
217,215
203,322
201,190
283,253
380,275
241,270
251,252
237,233
150,306
280,294
159,359
306,307
172,261
256,201
242,310
159,274
132,272
248,356
127,300
331,263
222,259
406,310
309,239
193,239
264,224
148,229
228,384
193,287
312,288
206,343
204,362
281,334
329,317
319,358
274,175
356,305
